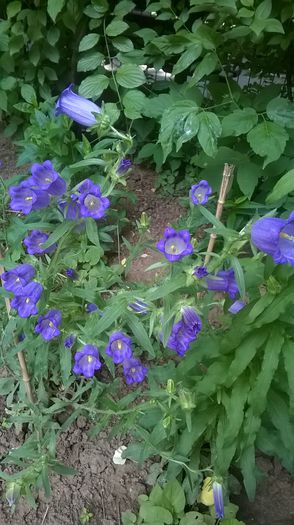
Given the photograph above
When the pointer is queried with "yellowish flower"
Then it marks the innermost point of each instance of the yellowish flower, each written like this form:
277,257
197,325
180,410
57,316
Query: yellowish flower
206,495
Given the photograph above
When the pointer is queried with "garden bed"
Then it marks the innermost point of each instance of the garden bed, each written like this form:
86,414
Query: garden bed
101,487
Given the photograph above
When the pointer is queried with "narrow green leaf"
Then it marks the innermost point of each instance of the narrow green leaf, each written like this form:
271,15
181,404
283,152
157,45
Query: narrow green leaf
92,231
282,188
239,275
289,367
59,231
140,334
209,130
244,354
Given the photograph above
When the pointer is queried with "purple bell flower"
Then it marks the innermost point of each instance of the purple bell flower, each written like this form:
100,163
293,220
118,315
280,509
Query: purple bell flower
236,307
185,331
77,108
200,272
69,341
175,245
223,281
180,338
92,204
123,166
134,371
91,307
139,307
218,500
14,280
71,209
34,242
71,274
26,301
44,177
276,238
191,319
48,325
25,199
119,347
87,361
199,193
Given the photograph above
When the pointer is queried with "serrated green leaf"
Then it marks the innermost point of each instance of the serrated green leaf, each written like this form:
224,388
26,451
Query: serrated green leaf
88,41
59,231
173,497
207,65
90,61
248,175
92,231
239,121
116,27
6,385
187,58
209,130
281,111
130,76
258,395
65,362
123,44
133,102
28,93
239,275
93,86
140,334
154,513
248,469
54,7
268,140
123,8
244,354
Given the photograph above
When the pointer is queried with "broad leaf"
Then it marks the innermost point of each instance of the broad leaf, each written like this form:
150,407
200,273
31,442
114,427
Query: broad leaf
174,496
248,175
134,102
209,130
268,140
54,7
93,86
130,76
90,62
88,41
154,513
116,27
186,59
239,121
281,111
205,67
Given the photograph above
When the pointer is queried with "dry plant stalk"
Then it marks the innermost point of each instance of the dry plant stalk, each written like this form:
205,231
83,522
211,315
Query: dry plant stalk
227,175
20,355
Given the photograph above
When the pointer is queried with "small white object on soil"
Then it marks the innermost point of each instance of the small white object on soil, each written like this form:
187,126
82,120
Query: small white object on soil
117,459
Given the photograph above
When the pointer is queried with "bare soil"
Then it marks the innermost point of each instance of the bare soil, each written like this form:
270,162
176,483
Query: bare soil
103,488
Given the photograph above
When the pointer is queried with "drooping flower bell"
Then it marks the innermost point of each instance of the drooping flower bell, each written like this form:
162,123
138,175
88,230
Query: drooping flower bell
134,371
71,274
119,347
236,307
44,177
200,272
25,199
77,108
139,307
26,301
123,166
69,341
14,280
87,361
91,307
48,325
92,204
200,192
34,243
185,331
218,500
223,281
175,244
275,237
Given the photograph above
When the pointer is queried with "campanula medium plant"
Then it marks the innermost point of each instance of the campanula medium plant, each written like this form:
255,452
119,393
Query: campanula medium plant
209,387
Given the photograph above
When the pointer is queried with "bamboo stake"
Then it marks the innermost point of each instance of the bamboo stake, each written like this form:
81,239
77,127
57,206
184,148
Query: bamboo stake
20,355
227,175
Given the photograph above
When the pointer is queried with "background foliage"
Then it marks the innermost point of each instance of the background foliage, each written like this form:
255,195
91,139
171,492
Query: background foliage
227,95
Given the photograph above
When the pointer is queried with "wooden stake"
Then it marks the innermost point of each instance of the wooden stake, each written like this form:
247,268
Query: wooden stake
227,175
20,355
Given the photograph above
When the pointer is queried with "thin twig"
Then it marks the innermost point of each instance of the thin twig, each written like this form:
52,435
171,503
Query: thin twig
227,175
45,515
20,355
